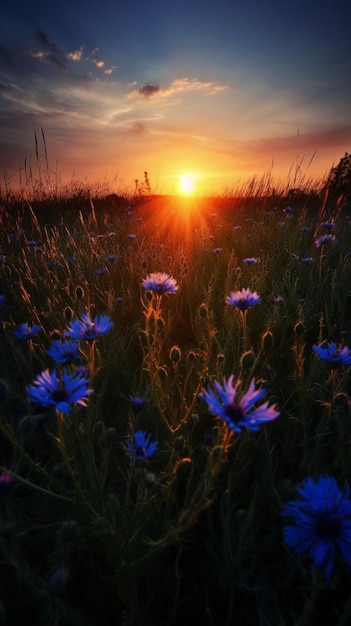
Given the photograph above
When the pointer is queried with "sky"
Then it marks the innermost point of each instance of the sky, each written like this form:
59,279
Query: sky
222,90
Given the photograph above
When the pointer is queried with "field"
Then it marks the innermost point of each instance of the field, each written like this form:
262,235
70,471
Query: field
140,485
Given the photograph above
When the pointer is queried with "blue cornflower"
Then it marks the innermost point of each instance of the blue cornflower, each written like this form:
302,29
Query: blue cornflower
101,271
86,328
305,229
251,260
137,403
305,260
324,239
2,300
335,356
140,447
111,258
64,352
24,331
239,413
243,299
160,283
328,225
322,523
60,392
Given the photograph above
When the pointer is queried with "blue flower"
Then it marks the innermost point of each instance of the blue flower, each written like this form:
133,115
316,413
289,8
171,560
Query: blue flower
137,403
305,229
335,356
64,352
243,299
24,331
237,412
60,392
86,328
111,258
160,283
305,260
322,523
251,260
2,300
140,447
324,239
328,225
101,271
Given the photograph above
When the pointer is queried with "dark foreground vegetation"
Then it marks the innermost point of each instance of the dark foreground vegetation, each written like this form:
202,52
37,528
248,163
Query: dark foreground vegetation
140,484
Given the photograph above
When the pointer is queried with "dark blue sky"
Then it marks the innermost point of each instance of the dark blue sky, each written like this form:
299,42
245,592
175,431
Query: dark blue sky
221,89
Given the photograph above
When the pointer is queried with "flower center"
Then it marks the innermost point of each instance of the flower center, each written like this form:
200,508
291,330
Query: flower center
328,526
140,452
242,304
234,412
60,395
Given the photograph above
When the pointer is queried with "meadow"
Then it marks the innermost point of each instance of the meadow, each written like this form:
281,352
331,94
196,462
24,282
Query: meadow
175,410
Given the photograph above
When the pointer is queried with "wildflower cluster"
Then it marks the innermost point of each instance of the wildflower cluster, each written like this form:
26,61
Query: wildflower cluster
127,448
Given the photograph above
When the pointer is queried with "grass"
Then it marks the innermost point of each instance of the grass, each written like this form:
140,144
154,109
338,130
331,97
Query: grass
193,534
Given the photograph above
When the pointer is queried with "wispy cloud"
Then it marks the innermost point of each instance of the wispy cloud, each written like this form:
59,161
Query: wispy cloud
177,86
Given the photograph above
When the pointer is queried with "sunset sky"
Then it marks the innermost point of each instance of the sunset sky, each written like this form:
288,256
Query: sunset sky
219,89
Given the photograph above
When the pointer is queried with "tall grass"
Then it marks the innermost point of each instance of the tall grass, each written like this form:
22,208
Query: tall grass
193,534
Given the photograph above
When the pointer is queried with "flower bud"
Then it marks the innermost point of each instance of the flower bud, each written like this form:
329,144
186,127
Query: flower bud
175,354
68,313
299,329
247,359
111,435
179,443
160,323
162,373
183,468
267,340
79,292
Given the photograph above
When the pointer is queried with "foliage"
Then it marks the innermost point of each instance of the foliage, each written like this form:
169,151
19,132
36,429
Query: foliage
142,507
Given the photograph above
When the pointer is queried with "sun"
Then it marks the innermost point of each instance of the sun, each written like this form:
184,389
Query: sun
186,184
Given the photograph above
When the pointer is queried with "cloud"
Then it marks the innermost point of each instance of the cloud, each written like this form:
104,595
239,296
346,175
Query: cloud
137,129
148,90
49,51
76,55
180,85
177,86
